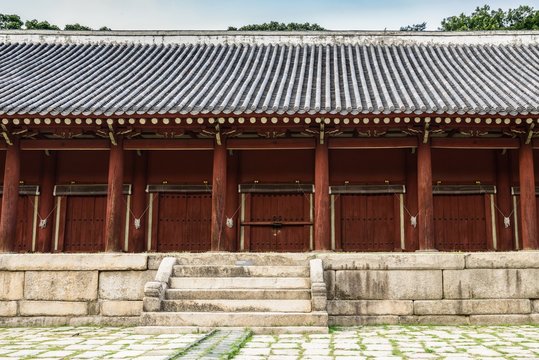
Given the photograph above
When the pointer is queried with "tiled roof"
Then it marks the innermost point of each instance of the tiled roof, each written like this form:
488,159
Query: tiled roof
114,79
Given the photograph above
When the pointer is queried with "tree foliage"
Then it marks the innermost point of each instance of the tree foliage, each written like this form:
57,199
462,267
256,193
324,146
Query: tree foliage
10,22
485,18
40,25
77,27
277,26
415,27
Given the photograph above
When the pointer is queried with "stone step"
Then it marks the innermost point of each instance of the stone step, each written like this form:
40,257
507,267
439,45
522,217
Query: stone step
298,306
239,283
158,330
234,319
239,271
237,294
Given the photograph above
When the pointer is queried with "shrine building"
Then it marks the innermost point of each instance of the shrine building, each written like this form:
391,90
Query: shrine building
197,141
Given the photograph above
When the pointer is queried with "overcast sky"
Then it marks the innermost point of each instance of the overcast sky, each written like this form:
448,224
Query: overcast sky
219,14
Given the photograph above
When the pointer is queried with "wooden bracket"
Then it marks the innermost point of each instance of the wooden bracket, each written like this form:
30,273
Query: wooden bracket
5,134
529,134
426,133
217,135
111,135
322,134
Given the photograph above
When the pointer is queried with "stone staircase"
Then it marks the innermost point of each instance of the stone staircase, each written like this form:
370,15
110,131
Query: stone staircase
270,297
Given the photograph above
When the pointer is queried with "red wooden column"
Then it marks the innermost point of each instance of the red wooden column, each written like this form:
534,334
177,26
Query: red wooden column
218,197
232,202
113,220
10,197
503,201
46,202
322,236
425,221
138,201
528,209
411,237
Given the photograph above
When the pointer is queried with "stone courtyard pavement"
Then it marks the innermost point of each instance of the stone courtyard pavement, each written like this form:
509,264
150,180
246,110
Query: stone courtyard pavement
371,342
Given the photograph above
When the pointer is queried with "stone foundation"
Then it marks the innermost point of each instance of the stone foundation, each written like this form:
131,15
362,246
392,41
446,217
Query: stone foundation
377,288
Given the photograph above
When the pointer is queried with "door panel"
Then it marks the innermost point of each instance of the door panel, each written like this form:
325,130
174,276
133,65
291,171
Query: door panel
84,223
367,222
25,222
183,222
461,222
277,222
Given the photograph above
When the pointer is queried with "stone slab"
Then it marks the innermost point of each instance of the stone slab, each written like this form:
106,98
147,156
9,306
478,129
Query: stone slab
491,284
64,262
52,308
227,258
11,285
8,308
363,320
388,285
503,260
50,321
329,279
220,305
535,306
123,285
500,319
240,283
60,285
370,307
392,261
434,320
469,307
121,308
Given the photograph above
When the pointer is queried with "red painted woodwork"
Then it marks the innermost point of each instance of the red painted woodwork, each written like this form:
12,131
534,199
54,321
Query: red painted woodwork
137,238
79,144
113,219
82,167
10,197
503,201
273,144
528,203
25,222
232,203
425,222
462,222
367,222
411,242
277,222
474,143
84,224
458,166
279,166
178,144
46,202
367,166
180,167
372,143
182,222
322,235
218,197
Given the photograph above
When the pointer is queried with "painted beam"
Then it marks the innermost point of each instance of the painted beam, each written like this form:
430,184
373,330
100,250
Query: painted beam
176,144
475,143
372,143
272,144
71,144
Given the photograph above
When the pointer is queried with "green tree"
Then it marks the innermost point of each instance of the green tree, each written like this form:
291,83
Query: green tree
77,27
414,27
105,28
39,25
10,22
277,26
485,18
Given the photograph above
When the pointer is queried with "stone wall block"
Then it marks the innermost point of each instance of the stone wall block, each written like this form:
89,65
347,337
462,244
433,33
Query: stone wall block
388,285
329,279
11,285
66,262
52,308
434,320
503,260
511,319
123,285
396,261
121,308
491,284
469,307
60,285
535,306
370,307
363,320
8,308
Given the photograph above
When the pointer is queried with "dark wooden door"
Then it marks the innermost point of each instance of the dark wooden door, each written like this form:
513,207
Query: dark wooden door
462,222
83,223
277,222
25,223
367,222
182,222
